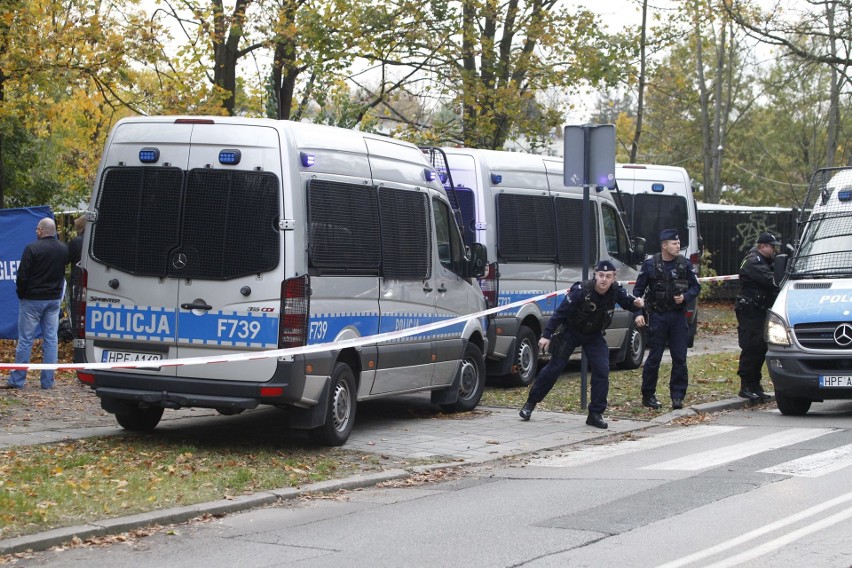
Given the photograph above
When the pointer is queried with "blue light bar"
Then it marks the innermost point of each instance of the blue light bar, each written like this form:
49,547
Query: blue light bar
149,155
496,179
844,195
308,159
430,175
230,157
657,187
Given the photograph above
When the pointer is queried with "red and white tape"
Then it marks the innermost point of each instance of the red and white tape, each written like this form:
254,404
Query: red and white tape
319,348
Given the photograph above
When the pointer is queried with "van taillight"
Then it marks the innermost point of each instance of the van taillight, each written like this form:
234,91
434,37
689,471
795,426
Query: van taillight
489,285
78,298
86,377
293,325
695,259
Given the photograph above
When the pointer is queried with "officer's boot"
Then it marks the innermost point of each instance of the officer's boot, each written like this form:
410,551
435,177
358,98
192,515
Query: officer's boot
527,411
747,392
757,389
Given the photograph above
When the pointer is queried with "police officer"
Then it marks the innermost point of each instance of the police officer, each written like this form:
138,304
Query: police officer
756,294
668,283
584,314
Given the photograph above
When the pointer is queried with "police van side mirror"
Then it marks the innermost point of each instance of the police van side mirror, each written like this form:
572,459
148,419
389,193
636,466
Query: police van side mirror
477,262
779,267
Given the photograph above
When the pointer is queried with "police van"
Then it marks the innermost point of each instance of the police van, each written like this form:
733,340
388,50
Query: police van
531,225
809,328
658,197
212,236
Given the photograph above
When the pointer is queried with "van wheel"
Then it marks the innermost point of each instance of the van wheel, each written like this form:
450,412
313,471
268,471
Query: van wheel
340,413
635,349
526,358
471,380
139,419
792,405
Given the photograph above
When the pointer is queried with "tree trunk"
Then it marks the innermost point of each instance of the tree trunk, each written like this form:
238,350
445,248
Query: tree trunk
834,91
640,103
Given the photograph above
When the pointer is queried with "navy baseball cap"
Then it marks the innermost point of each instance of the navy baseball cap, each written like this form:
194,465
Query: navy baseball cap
605,266
668,235
768,238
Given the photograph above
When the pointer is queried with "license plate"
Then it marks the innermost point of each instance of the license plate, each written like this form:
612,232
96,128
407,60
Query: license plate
128,357
835,381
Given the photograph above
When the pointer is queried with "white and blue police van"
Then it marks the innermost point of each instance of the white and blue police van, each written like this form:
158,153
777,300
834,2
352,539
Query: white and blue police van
214,236
657,197
517,205
809,328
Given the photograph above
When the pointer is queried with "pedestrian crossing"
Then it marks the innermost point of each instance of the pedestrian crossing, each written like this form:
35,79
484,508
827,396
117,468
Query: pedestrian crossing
816,464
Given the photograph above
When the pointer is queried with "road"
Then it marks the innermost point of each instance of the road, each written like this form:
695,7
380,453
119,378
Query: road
750,488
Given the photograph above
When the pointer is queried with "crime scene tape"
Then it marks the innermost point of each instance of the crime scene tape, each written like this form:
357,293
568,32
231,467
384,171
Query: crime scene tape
306,349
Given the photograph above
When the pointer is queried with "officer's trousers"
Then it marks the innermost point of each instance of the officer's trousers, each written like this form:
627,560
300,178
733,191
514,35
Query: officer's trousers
750,321
597,354
667,328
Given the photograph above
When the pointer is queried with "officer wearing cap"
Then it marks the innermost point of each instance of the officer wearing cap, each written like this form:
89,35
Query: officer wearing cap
582,317
668,283
756,293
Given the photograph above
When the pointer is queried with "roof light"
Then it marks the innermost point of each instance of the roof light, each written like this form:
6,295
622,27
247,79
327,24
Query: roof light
430,175
149,155
844,195
307,158
657,187
230,157
496,179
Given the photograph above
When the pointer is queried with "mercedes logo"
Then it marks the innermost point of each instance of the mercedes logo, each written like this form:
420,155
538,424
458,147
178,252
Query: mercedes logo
179,262
843,335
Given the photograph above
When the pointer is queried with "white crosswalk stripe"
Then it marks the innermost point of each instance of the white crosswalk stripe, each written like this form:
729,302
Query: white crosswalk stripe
815,465
741,450
591,454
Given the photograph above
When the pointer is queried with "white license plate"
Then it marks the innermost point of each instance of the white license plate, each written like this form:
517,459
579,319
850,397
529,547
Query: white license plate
128,357
835,381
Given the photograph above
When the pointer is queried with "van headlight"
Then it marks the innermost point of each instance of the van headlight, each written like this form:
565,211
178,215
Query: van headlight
777,332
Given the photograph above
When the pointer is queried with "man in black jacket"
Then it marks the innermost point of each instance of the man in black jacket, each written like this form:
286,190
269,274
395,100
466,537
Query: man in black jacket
39,285
756,294
584,314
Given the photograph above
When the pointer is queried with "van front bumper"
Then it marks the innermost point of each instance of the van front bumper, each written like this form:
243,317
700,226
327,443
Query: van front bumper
797,374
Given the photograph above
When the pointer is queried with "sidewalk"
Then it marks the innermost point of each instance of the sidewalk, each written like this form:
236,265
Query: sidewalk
483,435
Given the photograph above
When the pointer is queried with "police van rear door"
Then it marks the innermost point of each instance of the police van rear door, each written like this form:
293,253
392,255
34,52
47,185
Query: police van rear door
130,303
229,263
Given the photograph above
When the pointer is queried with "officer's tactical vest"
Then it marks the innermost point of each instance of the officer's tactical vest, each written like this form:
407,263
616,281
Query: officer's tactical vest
590,317
664,288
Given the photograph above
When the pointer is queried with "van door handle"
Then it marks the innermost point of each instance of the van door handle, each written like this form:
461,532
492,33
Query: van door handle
427,287
205,307
442,288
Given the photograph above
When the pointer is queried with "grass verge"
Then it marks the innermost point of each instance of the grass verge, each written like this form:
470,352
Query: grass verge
68,483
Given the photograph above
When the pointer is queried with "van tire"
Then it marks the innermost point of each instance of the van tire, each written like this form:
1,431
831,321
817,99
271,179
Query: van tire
634,350
526,358
792,405
340,410
471,380
138,419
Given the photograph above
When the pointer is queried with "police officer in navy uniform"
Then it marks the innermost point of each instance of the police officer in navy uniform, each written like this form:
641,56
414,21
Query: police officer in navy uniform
667,282
584,314
756,294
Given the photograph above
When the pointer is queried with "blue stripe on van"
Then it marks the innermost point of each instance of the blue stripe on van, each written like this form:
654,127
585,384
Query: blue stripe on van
547,305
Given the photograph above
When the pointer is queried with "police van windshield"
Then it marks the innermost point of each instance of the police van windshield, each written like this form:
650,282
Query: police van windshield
826,243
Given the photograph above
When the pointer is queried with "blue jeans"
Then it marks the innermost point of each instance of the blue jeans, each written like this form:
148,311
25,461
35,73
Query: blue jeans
31,314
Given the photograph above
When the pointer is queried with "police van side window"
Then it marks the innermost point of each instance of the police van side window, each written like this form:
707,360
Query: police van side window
615,235
450,251
569,215
406,234
343,228
526,228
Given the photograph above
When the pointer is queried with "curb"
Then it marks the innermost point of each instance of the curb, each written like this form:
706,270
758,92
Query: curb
56,537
